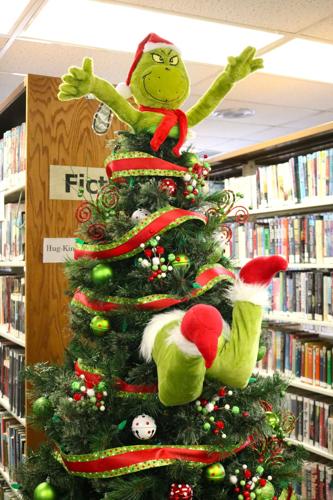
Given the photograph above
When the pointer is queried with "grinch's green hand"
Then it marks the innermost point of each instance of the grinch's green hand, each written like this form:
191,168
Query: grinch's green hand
241,66
78,81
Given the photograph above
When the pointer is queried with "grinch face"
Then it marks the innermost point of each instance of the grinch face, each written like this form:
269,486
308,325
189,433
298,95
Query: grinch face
160,79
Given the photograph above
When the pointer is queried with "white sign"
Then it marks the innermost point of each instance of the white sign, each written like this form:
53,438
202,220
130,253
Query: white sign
76,183
58,249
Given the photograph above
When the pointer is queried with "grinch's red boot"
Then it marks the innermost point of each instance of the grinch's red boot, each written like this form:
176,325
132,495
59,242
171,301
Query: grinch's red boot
254,277
202,325
261,270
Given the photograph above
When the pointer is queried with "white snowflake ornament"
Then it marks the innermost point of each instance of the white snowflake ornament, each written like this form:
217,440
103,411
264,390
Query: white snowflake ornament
143,427
139,215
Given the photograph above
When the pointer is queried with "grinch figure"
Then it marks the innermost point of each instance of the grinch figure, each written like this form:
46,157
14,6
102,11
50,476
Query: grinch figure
159,83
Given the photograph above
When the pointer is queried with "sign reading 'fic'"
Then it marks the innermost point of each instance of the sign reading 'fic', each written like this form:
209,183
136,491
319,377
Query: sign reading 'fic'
75,183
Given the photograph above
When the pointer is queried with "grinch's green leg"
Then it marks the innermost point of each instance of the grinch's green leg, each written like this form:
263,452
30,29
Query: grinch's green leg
237,356
180,375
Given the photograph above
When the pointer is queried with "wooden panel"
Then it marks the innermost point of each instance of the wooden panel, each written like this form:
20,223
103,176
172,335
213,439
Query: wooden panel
58,133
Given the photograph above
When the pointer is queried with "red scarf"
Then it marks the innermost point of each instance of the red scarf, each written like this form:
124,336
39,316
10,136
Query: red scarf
172,118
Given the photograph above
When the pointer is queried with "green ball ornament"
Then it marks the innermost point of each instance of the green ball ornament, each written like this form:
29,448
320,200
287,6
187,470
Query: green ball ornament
101,387
101,274
181,261
153,242
76,385
235,410
171,257
44,491
266,492
206,426
261,352
42,408
260,469
272,419
215,472
242,482
100,325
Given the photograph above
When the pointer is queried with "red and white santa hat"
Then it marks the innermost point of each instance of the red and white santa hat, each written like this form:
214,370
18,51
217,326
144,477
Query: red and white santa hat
149,43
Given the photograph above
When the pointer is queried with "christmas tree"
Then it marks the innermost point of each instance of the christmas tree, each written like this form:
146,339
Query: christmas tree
157,399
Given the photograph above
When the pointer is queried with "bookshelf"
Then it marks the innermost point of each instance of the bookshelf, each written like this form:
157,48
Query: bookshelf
246,169
56,134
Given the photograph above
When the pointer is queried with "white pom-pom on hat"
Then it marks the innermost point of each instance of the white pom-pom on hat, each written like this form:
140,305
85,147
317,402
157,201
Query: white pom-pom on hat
124,90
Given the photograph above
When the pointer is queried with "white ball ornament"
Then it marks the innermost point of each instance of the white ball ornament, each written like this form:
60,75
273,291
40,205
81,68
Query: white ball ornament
227,407
145,263
233,479
143,427
230,393
209,407
269,478
187,177
155,261
244,466
83,388
90,392
139,215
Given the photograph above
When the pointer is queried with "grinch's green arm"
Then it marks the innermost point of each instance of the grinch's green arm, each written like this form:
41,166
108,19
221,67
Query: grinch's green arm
82,81
237,69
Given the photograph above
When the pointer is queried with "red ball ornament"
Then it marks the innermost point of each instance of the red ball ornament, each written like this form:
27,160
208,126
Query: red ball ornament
160,250
216,407
219,424
148,252
99,395
247,474
237,490
77,396
169,186
245,414
222,392
262,482
180,492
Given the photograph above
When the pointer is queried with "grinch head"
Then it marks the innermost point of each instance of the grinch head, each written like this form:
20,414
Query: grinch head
158,77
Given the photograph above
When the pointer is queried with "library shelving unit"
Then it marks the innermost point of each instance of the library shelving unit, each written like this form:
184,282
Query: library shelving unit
244,162
57,134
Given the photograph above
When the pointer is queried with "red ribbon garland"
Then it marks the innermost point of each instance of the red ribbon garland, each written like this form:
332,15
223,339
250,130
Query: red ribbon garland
116,168
92,379
110,464
135,389
158,304
148,232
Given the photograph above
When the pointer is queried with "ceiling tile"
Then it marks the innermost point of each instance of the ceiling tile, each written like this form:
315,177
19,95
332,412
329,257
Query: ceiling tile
269,133
8,83
283,91
228,130
266,114
322,30
282,15
312,121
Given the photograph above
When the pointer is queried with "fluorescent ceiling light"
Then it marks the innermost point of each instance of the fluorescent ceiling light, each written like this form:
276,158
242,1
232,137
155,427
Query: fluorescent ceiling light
10,12
118,27
301,58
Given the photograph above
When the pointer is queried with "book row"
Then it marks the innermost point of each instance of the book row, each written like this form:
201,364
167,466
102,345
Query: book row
12,232
314,421
307,294
317,482
301,357
12,359
301,239
302,178
12,305
12,443
13,157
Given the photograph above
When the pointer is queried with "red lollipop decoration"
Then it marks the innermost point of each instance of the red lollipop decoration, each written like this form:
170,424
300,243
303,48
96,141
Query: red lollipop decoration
169,186
180,492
